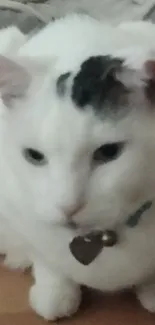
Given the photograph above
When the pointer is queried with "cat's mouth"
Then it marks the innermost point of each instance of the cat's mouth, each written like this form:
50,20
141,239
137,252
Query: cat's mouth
131,220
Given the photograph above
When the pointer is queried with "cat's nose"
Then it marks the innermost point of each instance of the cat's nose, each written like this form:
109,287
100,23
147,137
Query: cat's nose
70,211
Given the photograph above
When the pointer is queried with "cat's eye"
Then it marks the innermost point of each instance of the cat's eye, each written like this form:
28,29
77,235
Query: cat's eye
35,157
108,152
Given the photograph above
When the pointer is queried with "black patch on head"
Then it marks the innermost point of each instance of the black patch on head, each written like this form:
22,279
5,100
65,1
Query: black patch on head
96,83
61,83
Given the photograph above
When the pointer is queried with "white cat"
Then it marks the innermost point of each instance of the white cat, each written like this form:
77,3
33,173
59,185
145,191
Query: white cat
77,144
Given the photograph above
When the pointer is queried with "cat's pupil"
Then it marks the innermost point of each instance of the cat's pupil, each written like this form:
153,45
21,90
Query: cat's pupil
35,157
107,152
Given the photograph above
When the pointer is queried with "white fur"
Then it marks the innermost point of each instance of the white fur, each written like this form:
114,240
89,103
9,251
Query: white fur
11,38
36,202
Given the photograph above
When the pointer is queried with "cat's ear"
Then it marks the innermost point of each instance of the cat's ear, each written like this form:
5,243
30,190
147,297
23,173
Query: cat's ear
137,76
16,76
150,83
150,69
132,78
143,78
14,80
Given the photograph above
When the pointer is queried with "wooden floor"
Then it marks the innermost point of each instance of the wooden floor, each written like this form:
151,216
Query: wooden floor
96,309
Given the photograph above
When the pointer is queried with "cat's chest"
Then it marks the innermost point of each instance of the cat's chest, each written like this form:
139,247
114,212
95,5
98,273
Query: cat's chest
125,264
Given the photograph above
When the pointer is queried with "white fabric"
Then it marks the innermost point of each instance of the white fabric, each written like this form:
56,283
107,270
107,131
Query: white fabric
108,10
17,5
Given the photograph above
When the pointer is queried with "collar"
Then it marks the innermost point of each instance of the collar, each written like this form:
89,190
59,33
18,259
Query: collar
86,248
134,219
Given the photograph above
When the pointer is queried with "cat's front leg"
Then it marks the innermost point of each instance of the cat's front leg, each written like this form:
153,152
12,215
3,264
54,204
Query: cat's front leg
17,259
53,296
146,295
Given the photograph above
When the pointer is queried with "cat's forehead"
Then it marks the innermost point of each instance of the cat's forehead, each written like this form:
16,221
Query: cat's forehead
55,123
66,126
102,84
85,106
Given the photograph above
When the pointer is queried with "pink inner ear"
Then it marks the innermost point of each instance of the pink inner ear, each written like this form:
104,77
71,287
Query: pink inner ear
150,68
14,79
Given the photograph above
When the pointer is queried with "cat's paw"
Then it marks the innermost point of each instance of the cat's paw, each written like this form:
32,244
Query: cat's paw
17,261
146,296
60,300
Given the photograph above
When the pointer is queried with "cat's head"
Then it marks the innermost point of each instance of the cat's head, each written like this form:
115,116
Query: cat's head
80,145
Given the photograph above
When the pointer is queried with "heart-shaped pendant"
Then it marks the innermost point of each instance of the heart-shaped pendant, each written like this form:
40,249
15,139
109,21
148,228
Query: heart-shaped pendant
86,248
